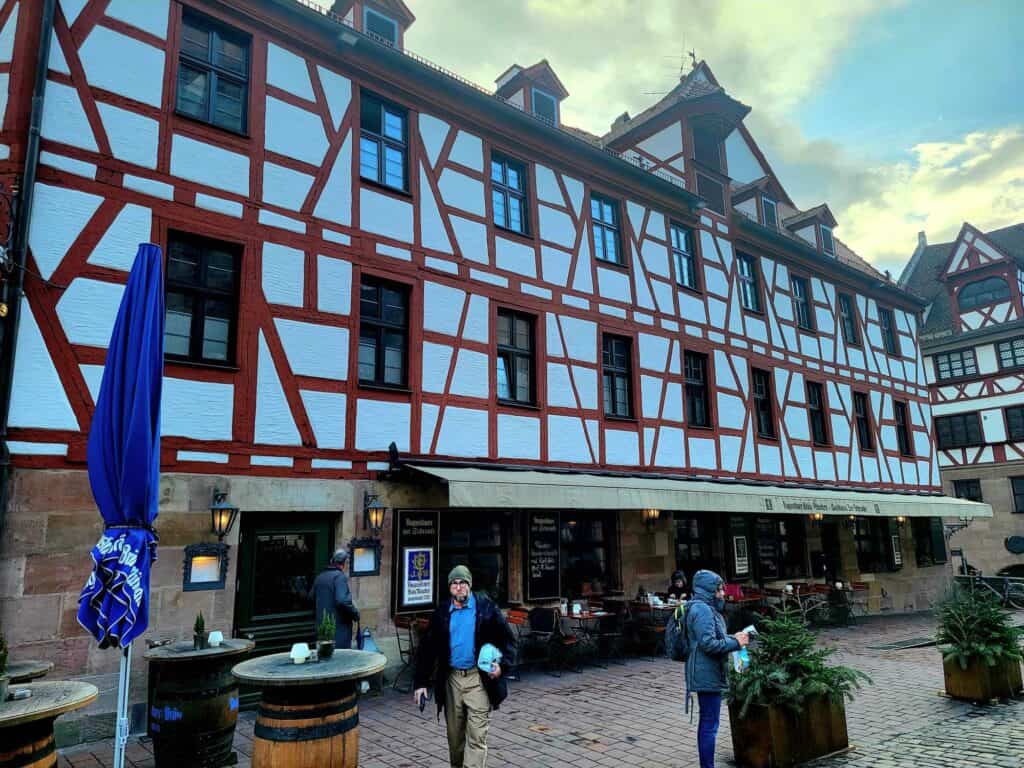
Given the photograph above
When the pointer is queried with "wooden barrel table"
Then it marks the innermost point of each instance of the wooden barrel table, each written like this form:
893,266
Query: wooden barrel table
26,725
27,670
193,704
308,714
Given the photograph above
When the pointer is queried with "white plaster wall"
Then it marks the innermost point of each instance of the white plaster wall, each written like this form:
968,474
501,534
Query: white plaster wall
669,452
208,164
985,358
378,423
556,226
59,216
285,187
338,91
477,320
437,360
283,274
432,230
614,284
64,119
288,71
621,447
462,191
148,15
334,285
335,203
560,392
471,237
274,422
468,150
7,35
199,409
807,233
743,166
665,143
470,378
314,349
133,137
385,215
653,351
119,244
555,265
88,309
326,412
442,308
993,426
515,257
702,453
37,398
518,437
586,385
463,432
547,186
295,132
567,441
104,55
433,131
580,338
731,411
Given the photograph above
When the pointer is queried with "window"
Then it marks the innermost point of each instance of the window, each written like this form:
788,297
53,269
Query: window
695,366
515,357
750,291
380,26
508,193
958,431
682,252
801,303
202,299
605,215
713,192
589,554
545,106
382,143
617,377
863,416
1011,353
707,149
875,540
848,320
953,365
1017,486
816,410
763,411
983,292
929,541
477,539
213,73
828,245
888,324
1015,423
902,429
780,547
383,333
769,214
969,489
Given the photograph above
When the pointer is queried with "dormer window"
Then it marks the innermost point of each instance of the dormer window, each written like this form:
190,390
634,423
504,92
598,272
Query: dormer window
769,216
707,148
545,106
380,26
983,292
828,245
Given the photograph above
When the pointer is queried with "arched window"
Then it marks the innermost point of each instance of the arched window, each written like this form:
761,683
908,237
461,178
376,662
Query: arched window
982,292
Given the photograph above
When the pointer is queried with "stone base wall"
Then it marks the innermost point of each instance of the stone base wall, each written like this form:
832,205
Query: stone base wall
983,541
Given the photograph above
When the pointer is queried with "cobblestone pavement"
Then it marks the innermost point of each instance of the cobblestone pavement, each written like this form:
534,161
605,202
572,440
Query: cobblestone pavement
632,715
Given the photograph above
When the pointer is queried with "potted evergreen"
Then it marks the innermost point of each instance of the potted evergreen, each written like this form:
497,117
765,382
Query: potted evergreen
325,636
788,705
980,647
4,679
200,637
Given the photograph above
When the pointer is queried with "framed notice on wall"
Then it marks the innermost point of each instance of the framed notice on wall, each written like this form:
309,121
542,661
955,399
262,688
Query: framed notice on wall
418,575
543,564
740,556
415,578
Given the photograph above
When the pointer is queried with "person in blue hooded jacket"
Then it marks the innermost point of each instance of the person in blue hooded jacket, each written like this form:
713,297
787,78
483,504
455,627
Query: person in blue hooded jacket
708,663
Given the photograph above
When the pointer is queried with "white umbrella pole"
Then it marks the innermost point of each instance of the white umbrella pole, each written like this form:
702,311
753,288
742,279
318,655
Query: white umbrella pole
121,735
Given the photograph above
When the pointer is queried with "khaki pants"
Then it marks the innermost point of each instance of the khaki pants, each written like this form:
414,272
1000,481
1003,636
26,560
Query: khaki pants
467,715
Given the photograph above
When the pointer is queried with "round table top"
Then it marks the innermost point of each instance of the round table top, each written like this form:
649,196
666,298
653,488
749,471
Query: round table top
27,669
185,651
279,670
48,700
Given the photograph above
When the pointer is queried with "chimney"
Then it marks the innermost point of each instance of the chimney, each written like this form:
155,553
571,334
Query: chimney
922,240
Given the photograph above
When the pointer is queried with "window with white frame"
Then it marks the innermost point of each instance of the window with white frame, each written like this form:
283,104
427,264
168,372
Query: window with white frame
682,252
604,213
828,245
1011,353
953,365
750,291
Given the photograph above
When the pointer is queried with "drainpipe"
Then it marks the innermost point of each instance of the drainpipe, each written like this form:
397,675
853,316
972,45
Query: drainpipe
22,214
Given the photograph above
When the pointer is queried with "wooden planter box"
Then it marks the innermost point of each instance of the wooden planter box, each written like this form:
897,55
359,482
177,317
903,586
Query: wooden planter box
776,737
980,682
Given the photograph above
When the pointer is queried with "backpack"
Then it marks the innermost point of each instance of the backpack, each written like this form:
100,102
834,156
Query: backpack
677,638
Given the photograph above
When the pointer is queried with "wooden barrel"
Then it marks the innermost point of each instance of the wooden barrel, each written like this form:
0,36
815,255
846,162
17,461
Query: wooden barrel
193,709
28,746
307,727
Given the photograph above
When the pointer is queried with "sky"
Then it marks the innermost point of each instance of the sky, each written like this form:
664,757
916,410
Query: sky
902,115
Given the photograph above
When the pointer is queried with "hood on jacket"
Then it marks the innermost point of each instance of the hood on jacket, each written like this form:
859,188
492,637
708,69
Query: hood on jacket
705,584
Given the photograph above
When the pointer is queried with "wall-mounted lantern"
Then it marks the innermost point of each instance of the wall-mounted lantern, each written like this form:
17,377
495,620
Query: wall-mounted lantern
373,513
222,514
651,516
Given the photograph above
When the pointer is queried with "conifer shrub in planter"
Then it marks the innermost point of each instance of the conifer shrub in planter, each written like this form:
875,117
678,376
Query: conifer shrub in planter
981,652
325,636
788,705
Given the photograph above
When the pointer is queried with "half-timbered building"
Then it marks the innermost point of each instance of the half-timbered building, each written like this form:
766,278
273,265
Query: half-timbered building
431,320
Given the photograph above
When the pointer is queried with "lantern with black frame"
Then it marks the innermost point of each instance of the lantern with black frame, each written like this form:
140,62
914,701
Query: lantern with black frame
365,552
206,563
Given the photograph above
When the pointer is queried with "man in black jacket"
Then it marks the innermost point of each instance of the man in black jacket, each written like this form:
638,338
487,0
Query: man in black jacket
449,651
332,595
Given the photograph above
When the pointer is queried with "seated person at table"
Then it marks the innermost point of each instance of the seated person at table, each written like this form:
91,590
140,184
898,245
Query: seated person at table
677,589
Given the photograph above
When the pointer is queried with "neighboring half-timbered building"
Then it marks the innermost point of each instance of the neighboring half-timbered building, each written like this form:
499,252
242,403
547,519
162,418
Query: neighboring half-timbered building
575,362
972,339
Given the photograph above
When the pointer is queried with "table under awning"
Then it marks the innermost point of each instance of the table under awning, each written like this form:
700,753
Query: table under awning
470,487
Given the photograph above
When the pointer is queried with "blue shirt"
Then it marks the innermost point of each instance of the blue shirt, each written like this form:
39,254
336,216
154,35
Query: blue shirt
462,630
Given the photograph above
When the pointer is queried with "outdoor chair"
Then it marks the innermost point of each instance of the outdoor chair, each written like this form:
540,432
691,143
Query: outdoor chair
408,636
648,631
546,627
609,637
861,595
519,620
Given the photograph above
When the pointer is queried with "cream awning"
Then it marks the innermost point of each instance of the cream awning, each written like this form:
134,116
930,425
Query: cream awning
507,488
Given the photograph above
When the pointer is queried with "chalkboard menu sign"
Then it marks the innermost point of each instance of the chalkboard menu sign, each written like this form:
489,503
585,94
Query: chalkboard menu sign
543,568
417,558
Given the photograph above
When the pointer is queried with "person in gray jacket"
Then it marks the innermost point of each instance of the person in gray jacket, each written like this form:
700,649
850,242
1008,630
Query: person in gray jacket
331,594
708,663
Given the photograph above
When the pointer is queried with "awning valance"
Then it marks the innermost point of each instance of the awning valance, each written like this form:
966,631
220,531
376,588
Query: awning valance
506,488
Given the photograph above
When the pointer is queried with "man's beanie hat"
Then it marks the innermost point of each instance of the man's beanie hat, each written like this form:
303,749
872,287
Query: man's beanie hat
460,572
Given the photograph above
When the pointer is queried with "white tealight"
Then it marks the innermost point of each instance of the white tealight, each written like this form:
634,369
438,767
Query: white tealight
300,652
